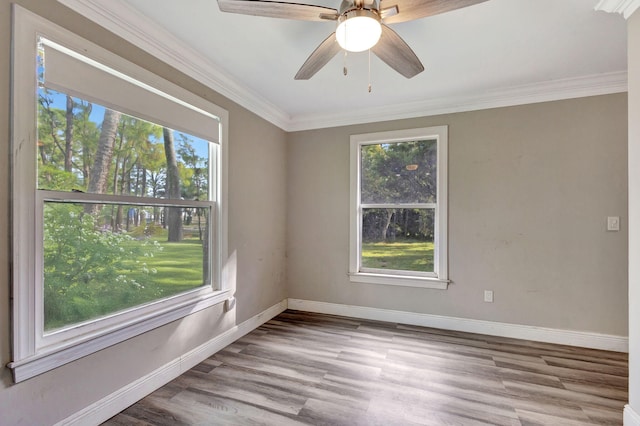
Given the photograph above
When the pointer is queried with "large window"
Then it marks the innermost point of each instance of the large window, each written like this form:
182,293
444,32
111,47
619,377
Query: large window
399,199
118,211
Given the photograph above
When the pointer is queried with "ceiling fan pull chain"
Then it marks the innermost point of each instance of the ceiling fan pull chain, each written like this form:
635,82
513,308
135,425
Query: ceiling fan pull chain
344,63
369,70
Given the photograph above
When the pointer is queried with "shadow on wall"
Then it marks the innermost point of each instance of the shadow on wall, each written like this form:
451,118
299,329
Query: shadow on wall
184,332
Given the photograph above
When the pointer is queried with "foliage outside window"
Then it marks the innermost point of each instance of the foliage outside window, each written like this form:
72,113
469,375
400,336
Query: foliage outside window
117,212
104,258
398,221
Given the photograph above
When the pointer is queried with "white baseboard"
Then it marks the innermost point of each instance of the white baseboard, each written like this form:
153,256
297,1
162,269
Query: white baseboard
540,334
114,403
631,417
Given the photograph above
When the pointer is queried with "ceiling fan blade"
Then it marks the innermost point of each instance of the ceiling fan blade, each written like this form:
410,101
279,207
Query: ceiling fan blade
277,9
319,58
408,10
396,53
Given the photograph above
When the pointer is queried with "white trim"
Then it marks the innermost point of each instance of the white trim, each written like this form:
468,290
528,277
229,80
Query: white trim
399,280
30,367
625,7
491,328
117,401
631,417
128,23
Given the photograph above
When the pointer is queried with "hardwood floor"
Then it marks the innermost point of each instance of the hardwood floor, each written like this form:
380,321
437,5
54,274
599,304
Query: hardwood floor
311,369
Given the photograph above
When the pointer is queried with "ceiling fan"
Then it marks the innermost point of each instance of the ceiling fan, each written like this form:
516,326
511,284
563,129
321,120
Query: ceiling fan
362,25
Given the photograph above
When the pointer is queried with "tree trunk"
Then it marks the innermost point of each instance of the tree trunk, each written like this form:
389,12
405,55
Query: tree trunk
43,154
143,188
68,136
104,153
85,110
118,222
116,170
174,214
385,228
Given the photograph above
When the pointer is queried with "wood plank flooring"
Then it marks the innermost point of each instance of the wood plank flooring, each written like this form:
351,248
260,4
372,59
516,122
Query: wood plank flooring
311,369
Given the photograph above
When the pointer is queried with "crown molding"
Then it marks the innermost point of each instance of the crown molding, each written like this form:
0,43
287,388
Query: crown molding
579,87
624,7
127,22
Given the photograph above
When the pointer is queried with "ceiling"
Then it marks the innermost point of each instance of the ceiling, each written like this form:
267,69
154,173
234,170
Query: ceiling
496,53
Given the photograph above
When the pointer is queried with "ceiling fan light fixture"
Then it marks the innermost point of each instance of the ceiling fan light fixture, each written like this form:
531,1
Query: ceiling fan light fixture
358,30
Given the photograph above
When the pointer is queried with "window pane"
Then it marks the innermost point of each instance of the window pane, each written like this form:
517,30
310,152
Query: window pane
398,239
103,258
83,146
403,172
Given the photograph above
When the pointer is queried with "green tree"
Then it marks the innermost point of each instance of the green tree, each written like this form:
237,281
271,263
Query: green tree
87,272
194,172
132,144
86,134
51,122
398,173
154,162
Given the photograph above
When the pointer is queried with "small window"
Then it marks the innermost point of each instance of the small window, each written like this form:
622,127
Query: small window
118,206
399,198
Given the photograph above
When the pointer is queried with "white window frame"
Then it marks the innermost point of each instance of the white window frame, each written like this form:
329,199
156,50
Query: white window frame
439,278
33,350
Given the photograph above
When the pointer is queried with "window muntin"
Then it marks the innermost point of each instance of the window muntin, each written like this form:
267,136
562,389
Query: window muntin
108,82
398,220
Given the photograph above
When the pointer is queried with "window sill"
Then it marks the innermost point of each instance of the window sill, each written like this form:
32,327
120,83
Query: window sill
399,280
45,361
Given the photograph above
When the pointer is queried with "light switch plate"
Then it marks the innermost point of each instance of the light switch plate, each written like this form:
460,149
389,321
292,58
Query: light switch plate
613,223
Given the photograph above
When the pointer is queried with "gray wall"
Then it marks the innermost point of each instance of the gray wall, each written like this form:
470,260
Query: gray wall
257,219
634,211
530,188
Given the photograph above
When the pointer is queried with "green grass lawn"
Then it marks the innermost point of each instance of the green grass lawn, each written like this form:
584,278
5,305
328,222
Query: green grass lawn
177,266
406,255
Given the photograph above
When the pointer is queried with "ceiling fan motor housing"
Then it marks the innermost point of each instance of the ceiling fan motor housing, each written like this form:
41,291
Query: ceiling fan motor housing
349,5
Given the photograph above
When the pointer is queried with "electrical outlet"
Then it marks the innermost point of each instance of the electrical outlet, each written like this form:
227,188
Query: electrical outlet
488,296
